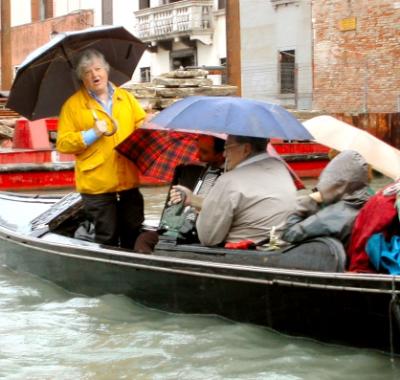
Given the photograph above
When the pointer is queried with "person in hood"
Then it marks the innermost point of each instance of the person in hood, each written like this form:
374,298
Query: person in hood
342,190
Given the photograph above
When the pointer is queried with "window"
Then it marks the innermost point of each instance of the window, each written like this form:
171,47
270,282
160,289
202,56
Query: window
182,58
224,79
287,60
221,4
143,4
145,74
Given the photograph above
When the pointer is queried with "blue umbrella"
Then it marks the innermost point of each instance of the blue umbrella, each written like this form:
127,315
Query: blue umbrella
231,115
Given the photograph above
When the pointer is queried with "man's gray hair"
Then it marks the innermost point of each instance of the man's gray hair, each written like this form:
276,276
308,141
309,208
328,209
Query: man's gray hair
258,144
86,59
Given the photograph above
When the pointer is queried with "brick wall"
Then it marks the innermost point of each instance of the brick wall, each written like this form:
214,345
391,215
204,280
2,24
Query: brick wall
356,55
28,37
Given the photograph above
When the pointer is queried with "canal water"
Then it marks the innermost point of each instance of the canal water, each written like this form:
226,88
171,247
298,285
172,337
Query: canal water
47,333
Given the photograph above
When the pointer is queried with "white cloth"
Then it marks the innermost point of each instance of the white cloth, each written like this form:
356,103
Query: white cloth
247,202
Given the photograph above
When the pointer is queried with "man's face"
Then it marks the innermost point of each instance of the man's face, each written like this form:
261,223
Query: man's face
95,77
235,152
206,151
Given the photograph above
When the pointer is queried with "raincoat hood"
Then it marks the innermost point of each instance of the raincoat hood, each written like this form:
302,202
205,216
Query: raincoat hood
346,174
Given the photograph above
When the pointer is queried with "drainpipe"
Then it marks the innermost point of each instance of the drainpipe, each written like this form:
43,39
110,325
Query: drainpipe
6,70
233,46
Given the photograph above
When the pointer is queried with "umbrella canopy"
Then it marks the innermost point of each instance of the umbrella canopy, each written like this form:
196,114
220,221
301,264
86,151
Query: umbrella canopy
339,135
231,115
47,78
156,152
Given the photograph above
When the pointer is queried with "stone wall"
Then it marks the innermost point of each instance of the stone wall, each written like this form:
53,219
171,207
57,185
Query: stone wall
356,55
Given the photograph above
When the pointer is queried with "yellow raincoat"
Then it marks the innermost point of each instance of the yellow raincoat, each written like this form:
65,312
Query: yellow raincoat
99,168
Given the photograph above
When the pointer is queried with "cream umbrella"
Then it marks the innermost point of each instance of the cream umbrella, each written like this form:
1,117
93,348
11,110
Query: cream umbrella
339,135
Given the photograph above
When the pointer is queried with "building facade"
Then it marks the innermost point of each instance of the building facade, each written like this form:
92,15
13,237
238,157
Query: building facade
274,38
357,56
181,33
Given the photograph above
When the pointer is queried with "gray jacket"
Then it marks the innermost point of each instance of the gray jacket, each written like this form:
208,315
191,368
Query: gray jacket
247,202
334,220
344,188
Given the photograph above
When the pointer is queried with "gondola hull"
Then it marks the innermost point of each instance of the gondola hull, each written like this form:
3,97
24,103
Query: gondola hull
354,309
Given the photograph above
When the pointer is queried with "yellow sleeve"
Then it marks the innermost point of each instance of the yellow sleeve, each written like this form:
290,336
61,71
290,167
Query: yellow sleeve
138,111
69,137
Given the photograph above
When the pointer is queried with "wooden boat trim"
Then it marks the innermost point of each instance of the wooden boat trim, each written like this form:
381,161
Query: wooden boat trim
33,167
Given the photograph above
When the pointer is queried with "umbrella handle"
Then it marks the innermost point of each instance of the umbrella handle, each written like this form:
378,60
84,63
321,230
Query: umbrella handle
114,124
115,127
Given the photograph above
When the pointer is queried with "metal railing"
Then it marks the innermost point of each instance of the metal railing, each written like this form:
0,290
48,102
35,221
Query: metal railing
180,18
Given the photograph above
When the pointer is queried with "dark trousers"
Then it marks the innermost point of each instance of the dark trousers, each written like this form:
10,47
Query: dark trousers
117,217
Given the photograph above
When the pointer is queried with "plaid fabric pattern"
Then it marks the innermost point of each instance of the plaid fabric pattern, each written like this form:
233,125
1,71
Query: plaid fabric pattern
156,152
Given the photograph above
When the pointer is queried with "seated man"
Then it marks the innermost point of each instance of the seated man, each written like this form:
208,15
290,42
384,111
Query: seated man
210,152
254,196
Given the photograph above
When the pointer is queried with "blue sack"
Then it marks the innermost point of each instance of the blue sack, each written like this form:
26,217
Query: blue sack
384,256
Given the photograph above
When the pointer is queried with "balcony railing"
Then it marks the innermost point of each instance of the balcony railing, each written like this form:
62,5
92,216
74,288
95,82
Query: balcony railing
183,18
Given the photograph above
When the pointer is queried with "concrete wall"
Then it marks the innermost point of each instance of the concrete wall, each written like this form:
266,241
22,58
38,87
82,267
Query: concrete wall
357,68
265,31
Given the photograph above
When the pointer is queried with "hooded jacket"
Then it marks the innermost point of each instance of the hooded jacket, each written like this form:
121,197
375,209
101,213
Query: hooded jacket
344,189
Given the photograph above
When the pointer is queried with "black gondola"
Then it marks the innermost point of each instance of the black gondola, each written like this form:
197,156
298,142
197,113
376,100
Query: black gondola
301,291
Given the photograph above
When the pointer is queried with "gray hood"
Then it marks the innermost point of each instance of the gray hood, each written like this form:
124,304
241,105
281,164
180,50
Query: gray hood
346,174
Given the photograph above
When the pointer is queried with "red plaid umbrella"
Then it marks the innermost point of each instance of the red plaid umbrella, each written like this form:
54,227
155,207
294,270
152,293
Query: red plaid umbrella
157,152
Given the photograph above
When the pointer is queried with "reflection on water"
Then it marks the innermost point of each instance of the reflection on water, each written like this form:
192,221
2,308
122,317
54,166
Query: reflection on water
154,201
47,333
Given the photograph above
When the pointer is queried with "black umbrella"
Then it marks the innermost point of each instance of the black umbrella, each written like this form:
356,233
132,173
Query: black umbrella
47,77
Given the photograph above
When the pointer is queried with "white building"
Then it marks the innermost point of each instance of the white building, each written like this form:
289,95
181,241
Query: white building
181,33
276,51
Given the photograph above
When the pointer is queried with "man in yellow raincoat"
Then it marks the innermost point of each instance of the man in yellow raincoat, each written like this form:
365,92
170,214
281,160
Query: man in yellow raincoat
93,121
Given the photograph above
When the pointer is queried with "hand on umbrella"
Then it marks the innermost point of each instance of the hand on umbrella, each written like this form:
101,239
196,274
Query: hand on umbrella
179,194
100,127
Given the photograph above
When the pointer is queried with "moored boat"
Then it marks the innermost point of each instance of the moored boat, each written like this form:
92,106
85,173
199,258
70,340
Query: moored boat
33,163
303,292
